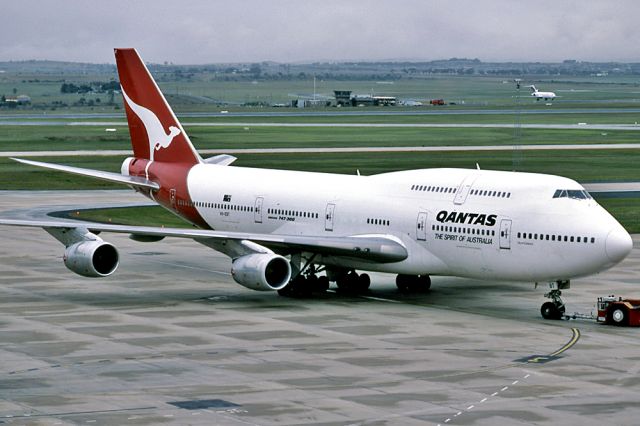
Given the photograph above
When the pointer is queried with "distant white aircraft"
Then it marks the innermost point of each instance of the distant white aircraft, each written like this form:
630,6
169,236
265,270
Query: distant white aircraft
281,228
541,95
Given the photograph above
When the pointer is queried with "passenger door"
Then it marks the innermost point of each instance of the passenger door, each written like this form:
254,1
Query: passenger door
172,198
328,217
463,189
421,227
257,215
505,234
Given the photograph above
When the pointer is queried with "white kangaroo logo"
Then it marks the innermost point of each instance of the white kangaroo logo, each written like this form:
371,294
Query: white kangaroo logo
155,131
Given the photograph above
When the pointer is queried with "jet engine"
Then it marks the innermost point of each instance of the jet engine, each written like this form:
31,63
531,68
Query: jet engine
91,258
261,271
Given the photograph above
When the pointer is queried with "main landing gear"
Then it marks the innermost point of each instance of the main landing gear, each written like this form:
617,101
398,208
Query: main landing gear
306,281
304,285
352,282
555,308
413,283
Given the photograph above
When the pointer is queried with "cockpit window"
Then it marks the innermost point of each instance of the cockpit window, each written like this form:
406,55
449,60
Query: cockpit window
576,194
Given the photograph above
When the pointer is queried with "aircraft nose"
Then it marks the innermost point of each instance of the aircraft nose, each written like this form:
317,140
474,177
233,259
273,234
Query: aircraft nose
618,244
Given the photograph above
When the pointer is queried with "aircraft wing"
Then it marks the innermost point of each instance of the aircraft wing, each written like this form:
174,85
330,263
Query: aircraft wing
98,174
373,247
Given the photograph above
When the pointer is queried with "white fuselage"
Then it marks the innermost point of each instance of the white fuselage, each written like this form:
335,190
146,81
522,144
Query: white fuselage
462,222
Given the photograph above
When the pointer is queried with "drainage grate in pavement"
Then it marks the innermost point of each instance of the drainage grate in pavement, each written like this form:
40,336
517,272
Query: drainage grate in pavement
201,404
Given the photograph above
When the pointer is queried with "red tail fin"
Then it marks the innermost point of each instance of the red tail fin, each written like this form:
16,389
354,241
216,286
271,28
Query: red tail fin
156,133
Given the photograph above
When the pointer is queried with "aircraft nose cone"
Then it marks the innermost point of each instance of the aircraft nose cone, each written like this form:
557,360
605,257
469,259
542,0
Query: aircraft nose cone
618,245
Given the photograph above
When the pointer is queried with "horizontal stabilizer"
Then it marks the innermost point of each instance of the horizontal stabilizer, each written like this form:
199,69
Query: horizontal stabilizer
136,181
221,160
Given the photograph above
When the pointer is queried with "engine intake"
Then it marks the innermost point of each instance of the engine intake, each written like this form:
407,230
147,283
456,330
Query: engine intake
261,271
92,258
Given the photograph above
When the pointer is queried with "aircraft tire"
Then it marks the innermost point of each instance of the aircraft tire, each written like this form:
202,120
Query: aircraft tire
550,310
322,284
425,282
364,282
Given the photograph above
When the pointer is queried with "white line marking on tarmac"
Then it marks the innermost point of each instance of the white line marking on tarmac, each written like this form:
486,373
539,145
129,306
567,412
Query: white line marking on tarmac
380,299
187,266
483,400
515,382
470,407
504,388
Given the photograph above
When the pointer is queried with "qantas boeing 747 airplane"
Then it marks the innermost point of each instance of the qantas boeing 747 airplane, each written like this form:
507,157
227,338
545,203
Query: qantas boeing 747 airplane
282,228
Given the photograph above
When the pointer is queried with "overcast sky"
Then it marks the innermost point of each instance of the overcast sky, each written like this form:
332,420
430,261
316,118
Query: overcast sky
208,31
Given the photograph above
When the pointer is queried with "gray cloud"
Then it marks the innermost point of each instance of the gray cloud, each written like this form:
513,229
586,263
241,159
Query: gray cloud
201,31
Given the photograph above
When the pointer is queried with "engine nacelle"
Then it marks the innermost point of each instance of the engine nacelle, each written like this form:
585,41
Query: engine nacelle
92,258
261,271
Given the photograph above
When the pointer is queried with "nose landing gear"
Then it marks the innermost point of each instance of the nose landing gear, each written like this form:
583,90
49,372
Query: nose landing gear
555,308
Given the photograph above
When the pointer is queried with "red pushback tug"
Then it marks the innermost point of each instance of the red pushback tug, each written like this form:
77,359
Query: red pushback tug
619,311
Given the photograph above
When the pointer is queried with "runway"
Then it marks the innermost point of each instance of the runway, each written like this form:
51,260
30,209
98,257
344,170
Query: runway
442,148
171,339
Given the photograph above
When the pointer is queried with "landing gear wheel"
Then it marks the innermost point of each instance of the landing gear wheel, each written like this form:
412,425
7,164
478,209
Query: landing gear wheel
344,283
618,316
413,283
425,282
550,310
297,287
354,283
364,282
555,308
322,284
403,282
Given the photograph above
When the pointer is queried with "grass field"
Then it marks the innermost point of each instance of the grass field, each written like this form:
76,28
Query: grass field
62,138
